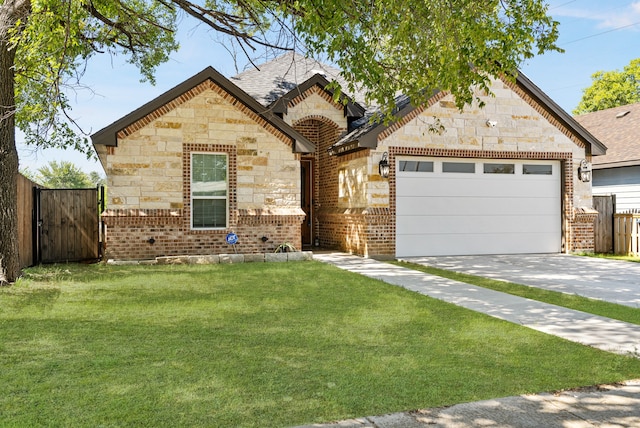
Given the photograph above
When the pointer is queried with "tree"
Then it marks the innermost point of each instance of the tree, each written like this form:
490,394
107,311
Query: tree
63,175
412,46
611,89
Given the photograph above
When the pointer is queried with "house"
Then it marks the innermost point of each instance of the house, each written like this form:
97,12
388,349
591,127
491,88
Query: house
618,172
273,157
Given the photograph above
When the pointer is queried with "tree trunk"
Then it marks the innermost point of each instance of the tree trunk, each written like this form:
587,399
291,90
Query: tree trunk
10,11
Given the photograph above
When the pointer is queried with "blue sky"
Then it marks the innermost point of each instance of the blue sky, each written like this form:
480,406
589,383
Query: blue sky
596,35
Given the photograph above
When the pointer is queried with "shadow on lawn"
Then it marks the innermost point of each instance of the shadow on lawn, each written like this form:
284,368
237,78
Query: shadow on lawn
41,298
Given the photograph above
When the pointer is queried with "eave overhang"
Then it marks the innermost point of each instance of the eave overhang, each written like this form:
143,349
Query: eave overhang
596,146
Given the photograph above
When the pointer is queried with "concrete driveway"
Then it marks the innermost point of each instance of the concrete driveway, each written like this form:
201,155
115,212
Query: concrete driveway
611,280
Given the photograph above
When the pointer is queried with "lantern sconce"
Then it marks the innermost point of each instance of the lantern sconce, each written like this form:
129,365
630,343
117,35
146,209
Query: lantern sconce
383,166
584,171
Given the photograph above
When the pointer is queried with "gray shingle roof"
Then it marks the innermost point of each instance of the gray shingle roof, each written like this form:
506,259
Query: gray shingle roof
619,129
271,80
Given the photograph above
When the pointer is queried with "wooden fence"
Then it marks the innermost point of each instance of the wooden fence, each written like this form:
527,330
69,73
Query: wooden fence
69,225
603,228
26,217
625,233
58,225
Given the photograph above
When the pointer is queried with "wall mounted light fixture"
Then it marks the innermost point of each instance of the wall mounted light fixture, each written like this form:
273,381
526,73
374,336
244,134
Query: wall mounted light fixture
584,171
383,166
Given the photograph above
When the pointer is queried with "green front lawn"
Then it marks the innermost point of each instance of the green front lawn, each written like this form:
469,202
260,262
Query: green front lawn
258,345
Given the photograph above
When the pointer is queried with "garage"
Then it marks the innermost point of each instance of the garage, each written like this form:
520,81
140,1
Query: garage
453,206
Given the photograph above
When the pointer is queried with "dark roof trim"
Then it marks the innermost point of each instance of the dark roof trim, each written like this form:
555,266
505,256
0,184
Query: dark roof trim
108,135
366,136
597,147
620,164
351,108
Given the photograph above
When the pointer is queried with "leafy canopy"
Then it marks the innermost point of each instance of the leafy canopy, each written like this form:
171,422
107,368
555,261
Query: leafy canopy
611,89
58,37
390,46
63,175
416,46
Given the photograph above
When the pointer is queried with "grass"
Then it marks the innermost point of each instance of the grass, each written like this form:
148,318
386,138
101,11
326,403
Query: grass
258,345
571,301
613,257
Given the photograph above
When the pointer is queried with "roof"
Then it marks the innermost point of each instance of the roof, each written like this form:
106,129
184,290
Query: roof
107,135
366,136
619,129
268,82
351,109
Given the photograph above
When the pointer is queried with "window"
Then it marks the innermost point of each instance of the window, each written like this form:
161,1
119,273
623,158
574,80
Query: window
463,167
537,169
499,168
209,203
416,166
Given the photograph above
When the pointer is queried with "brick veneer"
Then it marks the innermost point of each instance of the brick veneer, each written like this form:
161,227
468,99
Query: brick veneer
583,233
129,234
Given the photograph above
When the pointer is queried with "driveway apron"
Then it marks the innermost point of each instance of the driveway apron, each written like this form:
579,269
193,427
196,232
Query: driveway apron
603,333
611,280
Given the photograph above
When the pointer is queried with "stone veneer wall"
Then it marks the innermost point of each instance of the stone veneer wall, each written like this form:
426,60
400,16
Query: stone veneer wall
149,179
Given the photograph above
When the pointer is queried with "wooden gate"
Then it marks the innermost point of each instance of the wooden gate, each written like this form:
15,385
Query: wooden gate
603,229
67,224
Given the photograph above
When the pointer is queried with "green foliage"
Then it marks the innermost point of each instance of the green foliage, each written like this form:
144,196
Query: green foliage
415,47
65,175
611,89
253,345
57,39
391,46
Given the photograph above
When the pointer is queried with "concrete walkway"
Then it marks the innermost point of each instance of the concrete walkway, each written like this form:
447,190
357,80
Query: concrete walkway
604,406
610,406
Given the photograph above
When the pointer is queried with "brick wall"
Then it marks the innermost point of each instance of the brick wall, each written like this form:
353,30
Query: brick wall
146,234
582,231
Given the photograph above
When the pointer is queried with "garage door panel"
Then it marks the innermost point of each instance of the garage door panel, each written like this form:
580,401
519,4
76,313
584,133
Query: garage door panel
478,205
443,187
448,214
445,245
477,224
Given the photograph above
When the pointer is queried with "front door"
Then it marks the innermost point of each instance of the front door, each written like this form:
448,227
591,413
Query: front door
306,198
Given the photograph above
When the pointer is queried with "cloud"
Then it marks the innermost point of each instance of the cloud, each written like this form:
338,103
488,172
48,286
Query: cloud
605,16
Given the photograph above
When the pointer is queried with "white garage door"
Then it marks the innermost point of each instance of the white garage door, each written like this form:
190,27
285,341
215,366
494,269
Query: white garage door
477,206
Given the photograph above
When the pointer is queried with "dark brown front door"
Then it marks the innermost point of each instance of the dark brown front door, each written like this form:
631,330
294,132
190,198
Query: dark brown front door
306,198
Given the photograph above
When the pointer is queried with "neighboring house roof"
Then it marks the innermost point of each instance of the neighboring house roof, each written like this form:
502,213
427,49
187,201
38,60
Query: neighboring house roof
108,135
619,129
366,136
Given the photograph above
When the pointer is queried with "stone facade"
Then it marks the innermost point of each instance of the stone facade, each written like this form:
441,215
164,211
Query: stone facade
353,208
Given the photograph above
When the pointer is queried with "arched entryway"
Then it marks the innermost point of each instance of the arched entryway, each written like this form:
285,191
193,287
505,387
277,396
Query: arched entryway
319,178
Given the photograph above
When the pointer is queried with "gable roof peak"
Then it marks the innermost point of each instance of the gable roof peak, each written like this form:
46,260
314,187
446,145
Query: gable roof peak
108,135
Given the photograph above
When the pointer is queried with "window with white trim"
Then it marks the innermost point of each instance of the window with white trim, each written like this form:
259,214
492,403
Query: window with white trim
209,191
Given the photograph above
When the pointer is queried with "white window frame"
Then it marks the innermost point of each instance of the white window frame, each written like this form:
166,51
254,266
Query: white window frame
192,197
